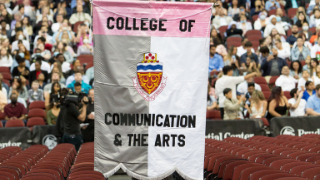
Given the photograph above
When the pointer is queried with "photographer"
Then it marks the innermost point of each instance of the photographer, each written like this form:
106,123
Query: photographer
88,131
73,117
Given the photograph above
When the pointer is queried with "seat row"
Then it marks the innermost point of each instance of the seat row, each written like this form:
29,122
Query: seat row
53,166
259,158
83,168
17,166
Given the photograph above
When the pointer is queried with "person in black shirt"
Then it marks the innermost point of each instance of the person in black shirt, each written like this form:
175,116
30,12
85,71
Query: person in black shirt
88,131
73,118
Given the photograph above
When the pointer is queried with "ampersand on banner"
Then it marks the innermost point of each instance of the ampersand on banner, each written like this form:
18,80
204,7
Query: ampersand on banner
117,141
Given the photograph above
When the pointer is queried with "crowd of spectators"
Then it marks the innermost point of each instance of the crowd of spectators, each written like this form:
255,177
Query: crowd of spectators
40,46
273,39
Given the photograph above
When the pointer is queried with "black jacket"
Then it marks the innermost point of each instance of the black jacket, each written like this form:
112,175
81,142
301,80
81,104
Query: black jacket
299,2
33,76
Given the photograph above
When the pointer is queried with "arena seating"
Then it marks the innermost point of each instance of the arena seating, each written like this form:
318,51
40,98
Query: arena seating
263,158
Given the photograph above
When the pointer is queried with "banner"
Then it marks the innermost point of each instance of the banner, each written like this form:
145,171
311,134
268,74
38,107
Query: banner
245,129
14,136
45,135
295,126
151,71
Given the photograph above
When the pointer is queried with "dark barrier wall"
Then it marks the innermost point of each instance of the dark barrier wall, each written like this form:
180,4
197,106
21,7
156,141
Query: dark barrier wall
297,126
23,137
14,136
245,129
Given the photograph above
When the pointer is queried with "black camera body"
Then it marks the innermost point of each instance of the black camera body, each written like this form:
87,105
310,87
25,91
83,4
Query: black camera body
77,98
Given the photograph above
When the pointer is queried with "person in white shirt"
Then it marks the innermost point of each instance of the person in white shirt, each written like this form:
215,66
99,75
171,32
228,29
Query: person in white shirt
243,87
316,77
5,58
241,49
20,37
244,25
45,66
286,82
79,16
303,80
273,24
298,105
282,52
55,26
315,48
221,19
228,81
261,21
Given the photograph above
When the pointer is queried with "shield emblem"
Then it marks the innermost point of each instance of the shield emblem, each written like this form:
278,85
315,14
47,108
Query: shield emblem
149,76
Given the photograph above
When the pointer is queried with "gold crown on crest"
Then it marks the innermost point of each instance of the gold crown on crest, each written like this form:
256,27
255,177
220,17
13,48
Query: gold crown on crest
150,58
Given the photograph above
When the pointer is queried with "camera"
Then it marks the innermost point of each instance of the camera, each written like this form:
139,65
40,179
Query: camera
55,98
77,97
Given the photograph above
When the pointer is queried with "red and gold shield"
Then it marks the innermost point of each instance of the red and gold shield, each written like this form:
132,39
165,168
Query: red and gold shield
149,81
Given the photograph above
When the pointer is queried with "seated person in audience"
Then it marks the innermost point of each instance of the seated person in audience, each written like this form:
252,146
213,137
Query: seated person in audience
233,29
15,110
309,90
84,86
305,42
5,58
258,105
22,69
297,104
293,37
272,4
286,82
307,65
20,100
232,106
300,52
312,6
45,66
315,49
243,11
55,92
278,103
90,73
264,53
313,103
4,85
244,25
273,24
54,111
305,30
252,56
249,93
242,49
35,74
221,19
79,16
243,87
296,70
301,19
211,100
55,77
87,48
62,49
35,94
273,65
215,61
65,66
302,81
283,53
284,18
262,21
17,85
316,77
253,67
3,99
41,82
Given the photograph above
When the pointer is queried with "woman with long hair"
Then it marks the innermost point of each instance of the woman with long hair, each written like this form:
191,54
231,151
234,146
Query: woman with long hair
233,60
5,58
258,105
278,103
22,49
26,25
17,85
54,111
62,48
262,21
296,70
55,92
300,52
313,65
316,77
234,8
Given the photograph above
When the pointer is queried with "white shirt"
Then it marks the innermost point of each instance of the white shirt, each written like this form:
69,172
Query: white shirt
284,53
302,82
300,110
44,67
287,83
49,39
241,51
6,62
227,82
65,67
55,27
316,80
269,28
223,21
24,42
243,87
314,50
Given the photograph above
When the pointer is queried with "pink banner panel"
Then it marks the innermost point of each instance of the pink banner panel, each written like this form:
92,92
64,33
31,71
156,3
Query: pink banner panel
162,19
